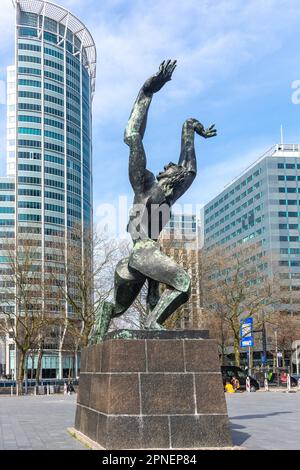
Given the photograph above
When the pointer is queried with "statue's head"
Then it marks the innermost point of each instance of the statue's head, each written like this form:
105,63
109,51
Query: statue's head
171,176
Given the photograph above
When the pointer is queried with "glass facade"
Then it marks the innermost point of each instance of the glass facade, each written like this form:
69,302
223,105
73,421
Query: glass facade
263,205
48,189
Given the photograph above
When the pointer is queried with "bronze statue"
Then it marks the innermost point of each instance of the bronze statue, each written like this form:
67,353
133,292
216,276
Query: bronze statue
153,198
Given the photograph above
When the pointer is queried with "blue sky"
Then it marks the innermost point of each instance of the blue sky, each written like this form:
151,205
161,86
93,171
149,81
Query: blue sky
236,64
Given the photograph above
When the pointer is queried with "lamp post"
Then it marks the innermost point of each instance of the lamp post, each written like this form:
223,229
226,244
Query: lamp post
264,343
276,348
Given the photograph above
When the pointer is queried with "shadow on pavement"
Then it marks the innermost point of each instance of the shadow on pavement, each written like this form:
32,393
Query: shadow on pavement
238,437
265,415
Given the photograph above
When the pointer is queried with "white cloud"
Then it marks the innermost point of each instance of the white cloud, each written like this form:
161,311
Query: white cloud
210,40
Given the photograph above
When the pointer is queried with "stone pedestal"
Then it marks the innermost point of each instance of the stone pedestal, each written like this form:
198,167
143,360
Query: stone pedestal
154,390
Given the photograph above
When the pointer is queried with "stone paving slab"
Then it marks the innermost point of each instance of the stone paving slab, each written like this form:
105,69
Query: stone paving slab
37,422
265,420
258,421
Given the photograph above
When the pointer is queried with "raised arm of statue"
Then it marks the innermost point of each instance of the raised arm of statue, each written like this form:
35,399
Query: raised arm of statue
187,160
136,125
187,157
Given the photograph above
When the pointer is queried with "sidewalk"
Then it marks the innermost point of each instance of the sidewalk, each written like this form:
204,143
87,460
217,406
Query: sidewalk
265,420
37,423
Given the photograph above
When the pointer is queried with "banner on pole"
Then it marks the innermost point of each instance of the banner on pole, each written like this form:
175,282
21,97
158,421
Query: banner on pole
246,333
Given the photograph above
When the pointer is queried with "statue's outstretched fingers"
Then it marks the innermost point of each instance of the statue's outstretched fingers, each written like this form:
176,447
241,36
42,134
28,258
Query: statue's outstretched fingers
173,66
161,67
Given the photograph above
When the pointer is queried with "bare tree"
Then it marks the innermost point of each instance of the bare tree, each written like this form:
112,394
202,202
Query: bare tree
236,286
87,281
219,330
23,315
287,329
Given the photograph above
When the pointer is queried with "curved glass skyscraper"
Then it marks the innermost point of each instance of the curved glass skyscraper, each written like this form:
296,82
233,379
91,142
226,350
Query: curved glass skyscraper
48,189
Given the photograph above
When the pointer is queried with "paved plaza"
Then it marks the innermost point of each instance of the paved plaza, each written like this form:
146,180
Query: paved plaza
37,423
265,420
258,421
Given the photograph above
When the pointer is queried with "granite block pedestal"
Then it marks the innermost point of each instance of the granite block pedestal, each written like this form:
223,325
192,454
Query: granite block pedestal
153,390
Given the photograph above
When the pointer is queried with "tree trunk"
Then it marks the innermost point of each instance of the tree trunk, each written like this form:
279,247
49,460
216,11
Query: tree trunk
32,366
76,362
21,363
26,374
39,364
236,348
60,371
85,337
222,342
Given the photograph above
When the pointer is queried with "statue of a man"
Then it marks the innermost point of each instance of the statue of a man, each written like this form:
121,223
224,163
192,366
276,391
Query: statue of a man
153,198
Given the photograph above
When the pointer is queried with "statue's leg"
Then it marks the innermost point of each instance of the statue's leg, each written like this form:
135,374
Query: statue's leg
170,300
147,258
128,284
153,294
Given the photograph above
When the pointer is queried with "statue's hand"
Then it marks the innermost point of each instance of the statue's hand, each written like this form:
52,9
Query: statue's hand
206,133
164,75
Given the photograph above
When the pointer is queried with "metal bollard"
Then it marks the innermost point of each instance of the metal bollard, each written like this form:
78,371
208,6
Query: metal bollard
299,384
266,385
248,387
11,390
288,383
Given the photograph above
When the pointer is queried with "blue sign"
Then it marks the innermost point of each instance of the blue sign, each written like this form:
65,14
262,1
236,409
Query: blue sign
246,333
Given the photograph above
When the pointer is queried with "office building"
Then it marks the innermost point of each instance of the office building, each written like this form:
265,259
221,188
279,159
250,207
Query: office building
262,205
48,188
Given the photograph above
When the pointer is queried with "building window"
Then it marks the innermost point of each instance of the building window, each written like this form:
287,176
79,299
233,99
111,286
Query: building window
29,205
53,53
7,210
25,167
29,58
29,71
29,217
23,32
54,207
54,220
54,135
29,107
30,47
34,83
29,192
29,130
29,180
24,118
54,159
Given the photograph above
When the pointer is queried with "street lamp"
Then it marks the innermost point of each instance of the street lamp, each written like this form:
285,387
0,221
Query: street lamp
276,348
